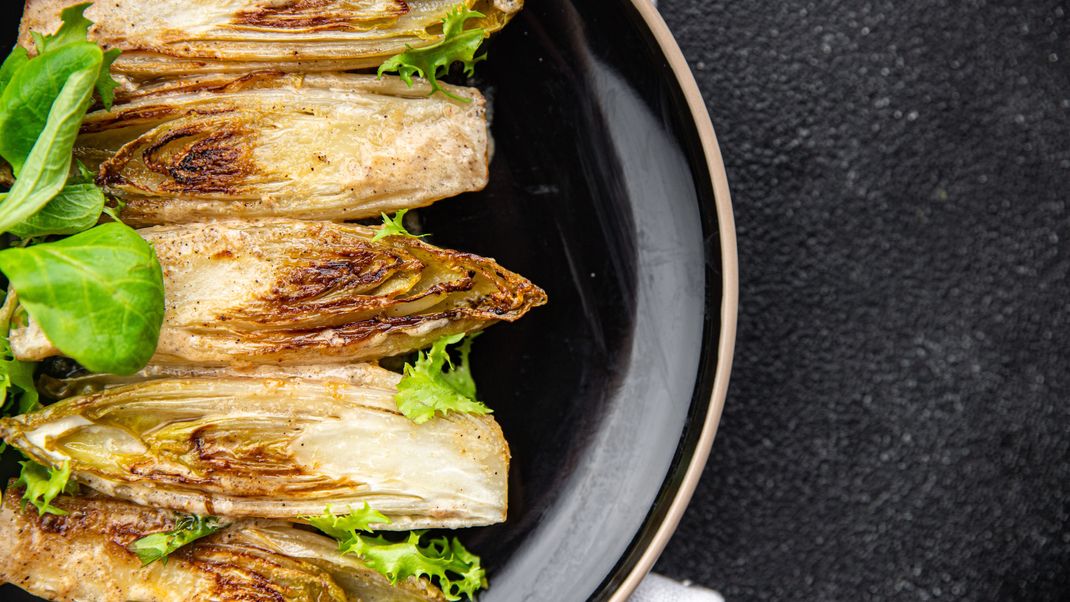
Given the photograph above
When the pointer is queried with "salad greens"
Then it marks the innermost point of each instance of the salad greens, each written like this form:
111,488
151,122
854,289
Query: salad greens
44,484
426,388
455,570
18,395
98,295
16,59
74,29
77,207
432,62
342,526
188,529
18,376
30,91
393,226
43,172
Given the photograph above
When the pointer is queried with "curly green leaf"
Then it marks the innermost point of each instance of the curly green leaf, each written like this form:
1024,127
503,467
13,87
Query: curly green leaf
339,526
433,61
44,484
457,572
434,384
394,226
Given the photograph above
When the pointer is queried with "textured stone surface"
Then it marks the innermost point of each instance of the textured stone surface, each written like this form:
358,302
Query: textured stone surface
898,421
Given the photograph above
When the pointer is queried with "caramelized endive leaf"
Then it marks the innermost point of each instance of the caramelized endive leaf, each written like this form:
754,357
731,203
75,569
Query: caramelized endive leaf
355,577
167,38
294,292
278,448
359,374
317,146
85,555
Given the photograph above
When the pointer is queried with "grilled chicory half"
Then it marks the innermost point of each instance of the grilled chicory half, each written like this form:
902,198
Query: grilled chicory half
295,292
169,38
88,553
359,374
273,447
316,146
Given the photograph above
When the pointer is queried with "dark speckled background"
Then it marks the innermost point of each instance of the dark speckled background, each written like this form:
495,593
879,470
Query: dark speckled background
898,421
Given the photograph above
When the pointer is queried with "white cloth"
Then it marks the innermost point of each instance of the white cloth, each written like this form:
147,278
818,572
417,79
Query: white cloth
656,588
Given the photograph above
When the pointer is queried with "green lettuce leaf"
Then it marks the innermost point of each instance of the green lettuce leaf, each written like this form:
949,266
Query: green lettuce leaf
426,388
340,527
18,375
12,63
432,62
44,172
159,546
97,295
17,389
75,29
44,484
393,226
32,86
106,85
455,570
77,207
33,97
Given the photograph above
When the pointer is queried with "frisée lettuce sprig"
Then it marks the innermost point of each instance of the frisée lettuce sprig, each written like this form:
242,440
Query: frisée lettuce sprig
435,384
457,572
433,61
394,226
43,484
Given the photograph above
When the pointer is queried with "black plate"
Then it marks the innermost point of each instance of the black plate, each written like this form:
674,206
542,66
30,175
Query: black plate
600,193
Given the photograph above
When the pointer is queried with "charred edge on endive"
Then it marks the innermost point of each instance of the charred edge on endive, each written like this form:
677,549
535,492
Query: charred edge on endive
165,38
280,448
316,146
86,554
294,292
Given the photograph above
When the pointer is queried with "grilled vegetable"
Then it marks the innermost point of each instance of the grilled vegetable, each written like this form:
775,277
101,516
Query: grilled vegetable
167,38
358,580
87,554
359,374
284,291
318,146
277,448
455,570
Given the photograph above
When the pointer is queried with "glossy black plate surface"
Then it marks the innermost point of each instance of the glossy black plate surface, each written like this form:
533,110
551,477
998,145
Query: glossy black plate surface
599,193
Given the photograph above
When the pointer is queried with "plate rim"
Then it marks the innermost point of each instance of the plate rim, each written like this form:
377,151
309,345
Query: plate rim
729,297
